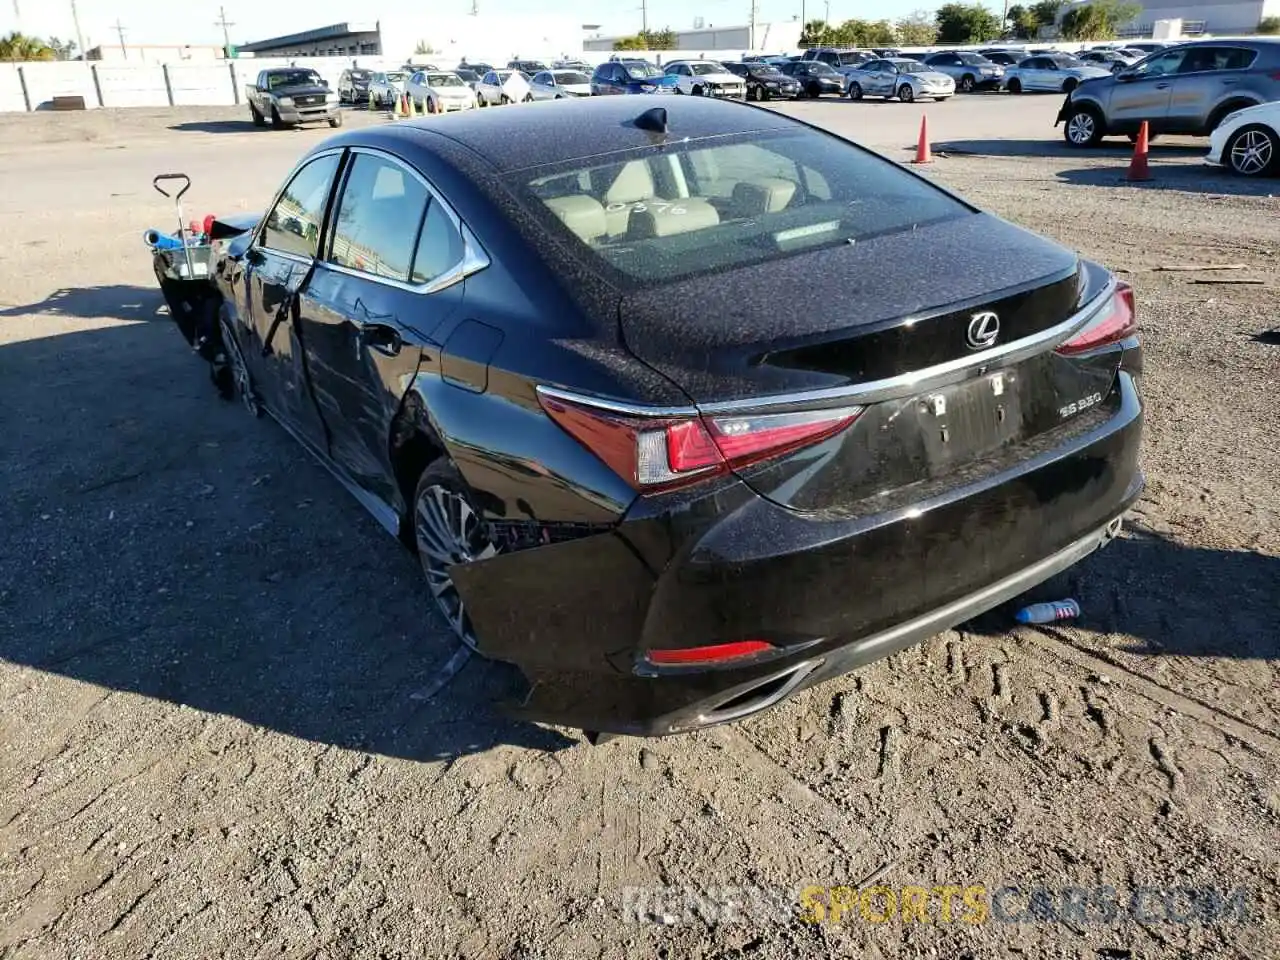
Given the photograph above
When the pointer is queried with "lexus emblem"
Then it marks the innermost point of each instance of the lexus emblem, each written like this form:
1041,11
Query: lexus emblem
984,328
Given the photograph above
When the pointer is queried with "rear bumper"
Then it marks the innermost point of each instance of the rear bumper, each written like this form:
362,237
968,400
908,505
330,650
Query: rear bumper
830,595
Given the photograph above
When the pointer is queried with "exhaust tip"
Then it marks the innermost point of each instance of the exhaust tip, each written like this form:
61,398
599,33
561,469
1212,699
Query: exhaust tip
760,695
1112,530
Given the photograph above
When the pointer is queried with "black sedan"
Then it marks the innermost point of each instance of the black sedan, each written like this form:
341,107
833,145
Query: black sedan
665,402
764,80
815,77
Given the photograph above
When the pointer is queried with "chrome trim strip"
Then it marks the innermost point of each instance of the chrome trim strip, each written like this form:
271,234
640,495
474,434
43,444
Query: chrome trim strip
864,394
939,375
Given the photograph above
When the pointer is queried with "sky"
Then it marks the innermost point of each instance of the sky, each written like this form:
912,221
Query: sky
192,21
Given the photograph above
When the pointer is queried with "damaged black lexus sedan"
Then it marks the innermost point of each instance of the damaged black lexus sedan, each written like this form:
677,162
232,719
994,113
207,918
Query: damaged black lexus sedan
684,408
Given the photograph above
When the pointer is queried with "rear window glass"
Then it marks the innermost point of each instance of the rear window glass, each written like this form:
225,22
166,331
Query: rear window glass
694,207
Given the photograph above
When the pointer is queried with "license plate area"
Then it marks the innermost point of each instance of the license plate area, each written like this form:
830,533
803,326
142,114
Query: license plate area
969,420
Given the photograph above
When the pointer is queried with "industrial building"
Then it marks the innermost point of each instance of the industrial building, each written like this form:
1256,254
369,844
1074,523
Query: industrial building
767,36
1219,17
335,40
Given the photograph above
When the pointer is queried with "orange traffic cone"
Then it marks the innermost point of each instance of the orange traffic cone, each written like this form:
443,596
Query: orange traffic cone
923,154
1139,170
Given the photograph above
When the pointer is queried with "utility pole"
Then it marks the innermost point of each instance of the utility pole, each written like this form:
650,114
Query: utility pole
119,29
475,8
75,18
224,23
828,20
644,16
751,31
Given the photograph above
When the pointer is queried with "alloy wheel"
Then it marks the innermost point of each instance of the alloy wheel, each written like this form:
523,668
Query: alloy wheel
855,91
1082,128
449,532
966,84
239,370
1251,153
906,94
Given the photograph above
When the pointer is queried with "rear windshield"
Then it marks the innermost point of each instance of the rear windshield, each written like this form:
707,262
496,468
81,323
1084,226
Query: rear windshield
571,76
852,59
641,71
972,59
692,207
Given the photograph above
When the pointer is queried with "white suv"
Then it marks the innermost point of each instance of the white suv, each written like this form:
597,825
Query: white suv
706,78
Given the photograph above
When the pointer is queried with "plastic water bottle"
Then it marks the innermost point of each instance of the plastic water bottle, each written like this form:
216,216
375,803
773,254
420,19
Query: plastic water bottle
1048,612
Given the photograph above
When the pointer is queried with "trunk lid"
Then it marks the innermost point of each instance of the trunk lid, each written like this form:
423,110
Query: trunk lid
882,312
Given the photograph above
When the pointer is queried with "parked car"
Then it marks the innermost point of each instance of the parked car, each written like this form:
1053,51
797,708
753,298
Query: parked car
559,84
815,78
840,60
527,67
668,516
440,91
580,65
1148,47
707,78
1112,60
491,91
290,96
1053,73
479,67
1003,58
764,80
905,80
387,87
970,71
630,76
1187,89
470,77
887,53
353,85
1248,141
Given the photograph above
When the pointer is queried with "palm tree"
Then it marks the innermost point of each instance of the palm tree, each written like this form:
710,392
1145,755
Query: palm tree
17,46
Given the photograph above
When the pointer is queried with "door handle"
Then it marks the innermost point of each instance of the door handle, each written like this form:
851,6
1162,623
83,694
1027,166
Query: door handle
379,338
1162,86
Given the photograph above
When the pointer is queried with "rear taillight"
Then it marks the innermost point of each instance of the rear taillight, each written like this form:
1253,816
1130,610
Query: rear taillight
658,452
1118,320
715,653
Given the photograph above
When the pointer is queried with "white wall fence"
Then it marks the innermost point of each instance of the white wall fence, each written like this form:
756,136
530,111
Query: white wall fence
32,86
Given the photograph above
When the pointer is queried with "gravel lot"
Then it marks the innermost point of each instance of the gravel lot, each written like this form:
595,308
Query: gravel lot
220,728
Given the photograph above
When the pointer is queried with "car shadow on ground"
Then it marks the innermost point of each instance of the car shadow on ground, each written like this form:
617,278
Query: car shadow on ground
1058,148
214,126
1173,599
161,542
121,301
1187,178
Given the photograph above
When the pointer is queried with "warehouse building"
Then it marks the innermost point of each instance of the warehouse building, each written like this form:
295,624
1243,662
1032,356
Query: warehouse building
335,40
1219,17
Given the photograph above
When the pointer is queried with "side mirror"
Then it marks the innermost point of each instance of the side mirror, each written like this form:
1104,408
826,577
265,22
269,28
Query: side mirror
1124,76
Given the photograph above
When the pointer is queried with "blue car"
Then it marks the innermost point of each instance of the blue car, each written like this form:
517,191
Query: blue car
630,76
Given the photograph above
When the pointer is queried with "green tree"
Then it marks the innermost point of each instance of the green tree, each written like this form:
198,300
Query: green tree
966,23
1045,12
917,30
1021,22
1099,20
18,46
816,33
647,40
424,48
1269,25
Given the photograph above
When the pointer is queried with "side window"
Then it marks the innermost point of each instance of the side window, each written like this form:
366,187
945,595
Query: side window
439,246
293,225
378,218
1237,58
1161,65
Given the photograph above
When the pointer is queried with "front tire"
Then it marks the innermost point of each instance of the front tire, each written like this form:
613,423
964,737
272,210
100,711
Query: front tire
1253,152
448,530
1083,128
967,83
335,121
1070,84
906,94
276,122
1015,86
814,90
855,91
242,382
697,91
258,119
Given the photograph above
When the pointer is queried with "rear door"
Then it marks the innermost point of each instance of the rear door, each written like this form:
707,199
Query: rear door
375,299
279,262
1146,91
1208,76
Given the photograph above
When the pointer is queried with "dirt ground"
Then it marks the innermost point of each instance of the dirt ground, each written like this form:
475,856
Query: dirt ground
222,731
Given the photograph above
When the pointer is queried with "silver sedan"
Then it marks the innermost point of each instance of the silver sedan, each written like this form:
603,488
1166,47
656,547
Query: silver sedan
900,78
559,84
1055,73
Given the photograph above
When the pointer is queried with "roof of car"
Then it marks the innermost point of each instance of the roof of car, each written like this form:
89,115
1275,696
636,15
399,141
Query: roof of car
553,131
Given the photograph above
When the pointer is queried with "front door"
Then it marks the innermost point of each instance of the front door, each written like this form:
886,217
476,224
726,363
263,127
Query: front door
378,297
1145,92
278,265
1207,76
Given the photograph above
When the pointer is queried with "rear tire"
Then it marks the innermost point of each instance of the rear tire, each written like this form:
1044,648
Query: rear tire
1015,85
240,378
448,530
1070,84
